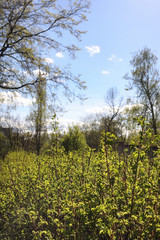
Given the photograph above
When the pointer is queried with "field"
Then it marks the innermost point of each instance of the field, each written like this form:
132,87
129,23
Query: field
81,195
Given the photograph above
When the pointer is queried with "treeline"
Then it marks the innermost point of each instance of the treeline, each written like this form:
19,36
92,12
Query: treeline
75,138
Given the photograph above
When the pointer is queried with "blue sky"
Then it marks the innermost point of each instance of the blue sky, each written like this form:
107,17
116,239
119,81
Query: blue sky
115,30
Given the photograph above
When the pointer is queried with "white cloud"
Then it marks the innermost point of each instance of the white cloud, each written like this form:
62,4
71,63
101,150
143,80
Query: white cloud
93,50
106,109
64,123
114,58
14,122
37,71
59,55
10,83
95,110
120,59
49,60
60,81
130,106
15,98
105,72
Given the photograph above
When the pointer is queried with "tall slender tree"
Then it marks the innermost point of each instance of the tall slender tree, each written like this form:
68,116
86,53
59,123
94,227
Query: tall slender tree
38,114
40,120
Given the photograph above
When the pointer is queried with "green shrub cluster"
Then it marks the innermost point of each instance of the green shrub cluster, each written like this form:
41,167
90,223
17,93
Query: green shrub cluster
81,195
4,146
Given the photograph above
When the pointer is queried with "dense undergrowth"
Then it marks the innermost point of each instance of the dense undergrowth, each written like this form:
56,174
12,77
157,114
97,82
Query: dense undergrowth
82,195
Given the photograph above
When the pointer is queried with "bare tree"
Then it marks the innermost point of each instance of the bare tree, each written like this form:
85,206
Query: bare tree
111,121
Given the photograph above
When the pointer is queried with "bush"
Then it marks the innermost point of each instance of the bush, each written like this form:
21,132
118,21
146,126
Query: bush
4,146
74,140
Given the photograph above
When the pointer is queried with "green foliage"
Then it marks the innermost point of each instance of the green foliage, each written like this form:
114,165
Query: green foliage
38,114
144,78
92,138
74,139
28,30
4,146
82,195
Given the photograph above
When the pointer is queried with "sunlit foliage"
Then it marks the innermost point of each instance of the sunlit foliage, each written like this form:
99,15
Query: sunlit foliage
82,195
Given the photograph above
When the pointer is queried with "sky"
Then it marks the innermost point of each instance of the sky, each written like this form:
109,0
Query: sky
116,29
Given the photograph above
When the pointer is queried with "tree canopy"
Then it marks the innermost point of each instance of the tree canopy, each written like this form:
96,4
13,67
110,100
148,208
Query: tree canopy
144,78
29,29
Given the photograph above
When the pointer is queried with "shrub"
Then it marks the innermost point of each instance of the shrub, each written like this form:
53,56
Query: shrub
74,140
